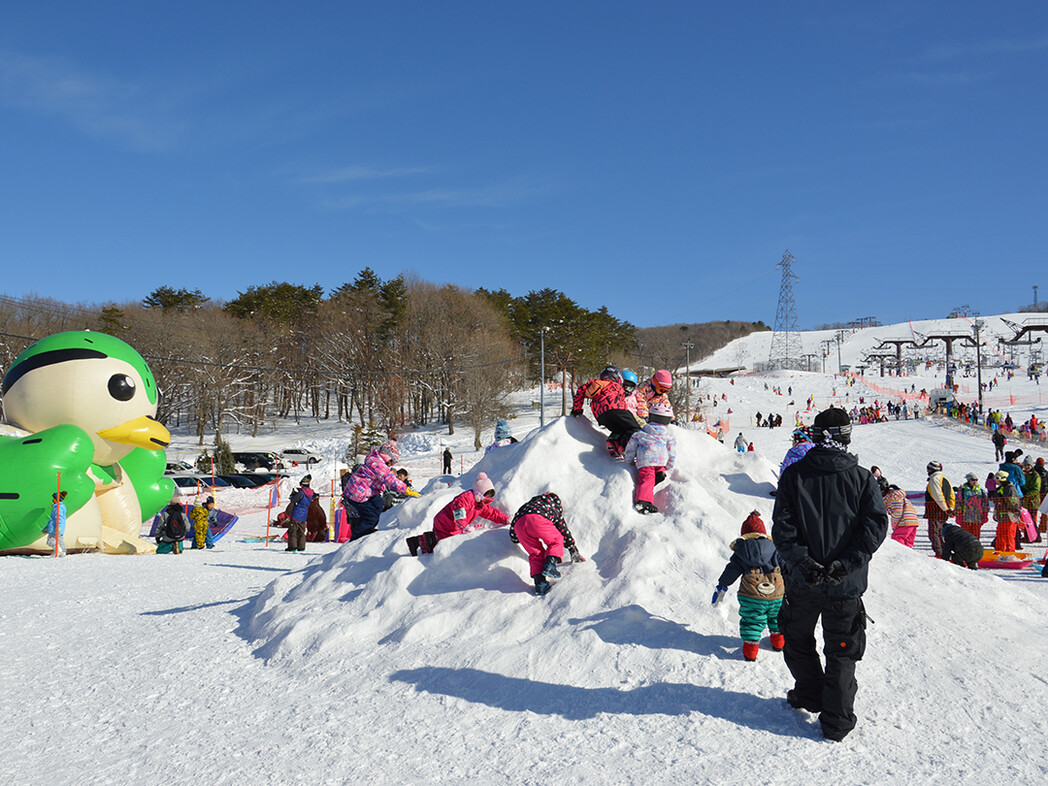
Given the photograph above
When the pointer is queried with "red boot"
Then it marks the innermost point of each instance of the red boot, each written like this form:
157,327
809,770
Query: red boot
750,649
778,641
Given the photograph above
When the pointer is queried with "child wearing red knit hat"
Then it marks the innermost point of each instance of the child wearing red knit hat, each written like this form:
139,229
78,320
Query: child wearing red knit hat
755,559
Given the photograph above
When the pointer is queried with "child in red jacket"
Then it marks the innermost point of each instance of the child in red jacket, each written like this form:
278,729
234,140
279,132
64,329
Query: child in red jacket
608,405
461,514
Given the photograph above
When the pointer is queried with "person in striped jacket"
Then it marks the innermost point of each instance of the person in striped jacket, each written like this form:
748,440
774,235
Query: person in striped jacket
901,513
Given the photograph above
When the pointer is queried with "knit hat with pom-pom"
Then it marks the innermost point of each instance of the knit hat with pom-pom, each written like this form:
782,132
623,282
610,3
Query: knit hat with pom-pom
482,485
753,523
390,450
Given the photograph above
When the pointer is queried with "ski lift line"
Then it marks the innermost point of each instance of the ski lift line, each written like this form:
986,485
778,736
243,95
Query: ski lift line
404,373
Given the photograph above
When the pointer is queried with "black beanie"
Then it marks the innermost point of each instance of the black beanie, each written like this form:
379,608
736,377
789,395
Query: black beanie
832,423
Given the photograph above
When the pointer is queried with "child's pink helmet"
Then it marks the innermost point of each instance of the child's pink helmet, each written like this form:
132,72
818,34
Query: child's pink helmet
663,380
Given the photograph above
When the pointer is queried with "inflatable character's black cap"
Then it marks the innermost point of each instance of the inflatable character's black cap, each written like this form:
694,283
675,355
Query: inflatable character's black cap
832,423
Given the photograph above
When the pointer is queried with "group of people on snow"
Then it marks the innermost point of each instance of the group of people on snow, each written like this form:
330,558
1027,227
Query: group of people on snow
637,417
955,515
173,524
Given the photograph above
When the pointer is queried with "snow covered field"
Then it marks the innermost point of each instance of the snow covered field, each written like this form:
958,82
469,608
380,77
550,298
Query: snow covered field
359,663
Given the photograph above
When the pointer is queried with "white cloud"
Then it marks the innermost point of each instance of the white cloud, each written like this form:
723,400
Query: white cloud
353,173
99,104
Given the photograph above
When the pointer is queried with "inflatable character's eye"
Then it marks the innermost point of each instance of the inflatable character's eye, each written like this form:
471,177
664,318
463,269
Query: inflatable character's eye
121,387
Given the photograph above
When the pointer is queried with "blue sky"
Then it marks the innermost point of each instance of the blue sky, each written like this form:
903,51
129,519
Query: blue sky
654,158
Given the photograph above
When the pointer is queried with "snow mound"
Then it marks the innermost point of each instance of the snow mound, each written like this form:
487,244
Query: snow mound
417,442
373,593
631,630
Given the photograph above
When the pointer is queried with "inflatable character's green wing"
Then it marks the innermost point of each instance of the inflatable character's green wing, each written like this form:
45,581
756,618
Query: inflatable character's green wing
29,469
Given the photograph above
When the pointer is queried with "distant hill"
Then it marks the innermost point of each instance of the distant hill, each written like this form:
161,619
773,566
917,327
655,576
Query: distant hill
660,347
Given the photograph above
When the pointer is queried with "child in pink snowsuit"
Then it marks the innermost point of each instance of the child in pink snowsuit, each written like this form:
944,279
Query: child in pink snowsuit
653,448
540,528
458,515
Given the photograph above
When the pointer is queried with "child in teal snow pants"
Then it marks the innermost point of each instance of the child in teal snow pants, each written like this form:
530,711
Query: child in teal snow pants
756,561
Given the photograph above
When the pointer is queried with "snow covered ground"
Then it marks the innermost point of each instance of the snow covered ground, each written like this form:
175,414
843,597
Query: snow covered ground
359,663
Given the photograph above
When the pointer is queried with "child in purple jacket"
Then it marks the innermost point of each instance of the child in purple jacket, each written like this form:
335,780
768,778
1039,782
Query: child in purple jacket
363,492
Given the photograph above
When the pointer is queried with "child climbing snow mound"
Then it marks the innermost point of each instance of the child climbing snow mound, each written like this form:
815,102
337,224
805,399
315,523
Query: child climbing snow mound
654,450
540,528
461,515
761,591
608,405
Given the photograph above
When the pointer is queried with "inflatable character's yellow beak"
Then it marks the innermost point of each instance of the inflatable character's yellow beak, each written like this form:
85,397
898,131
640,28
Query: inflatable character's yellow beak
142,432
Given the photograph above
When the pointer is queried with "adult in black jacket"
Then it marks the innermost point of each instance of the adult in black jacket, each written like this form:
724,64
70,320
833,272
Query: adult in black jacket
998,444
960,546
828,520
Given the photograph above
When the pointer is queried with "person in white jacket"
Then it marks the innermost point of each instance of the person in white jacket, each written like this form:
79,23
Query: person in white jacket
654,450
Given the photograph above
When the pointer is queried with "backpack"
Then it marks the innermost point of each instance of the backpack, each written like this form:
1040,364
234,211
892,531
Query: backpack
176,524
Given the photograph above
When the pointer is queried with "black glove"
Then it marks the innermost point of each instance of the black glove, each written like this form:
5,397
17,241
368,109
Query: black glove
575,556
811,571
835,573
576,412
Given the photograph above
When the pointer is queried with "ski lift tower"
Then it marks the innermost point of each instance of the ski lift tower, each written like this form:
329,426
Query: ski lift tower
880,358
785,341
898,343
948,338
1027,329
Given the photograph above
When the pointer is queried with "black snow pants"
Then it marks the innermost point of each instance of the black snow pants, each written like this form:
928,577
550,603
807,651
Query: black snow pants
844,642
621,423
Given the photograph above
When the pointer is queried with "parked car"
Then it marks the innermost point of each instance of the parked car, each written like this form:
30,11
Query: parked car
299,456
190,481
179,466
248,481
268,477
256,460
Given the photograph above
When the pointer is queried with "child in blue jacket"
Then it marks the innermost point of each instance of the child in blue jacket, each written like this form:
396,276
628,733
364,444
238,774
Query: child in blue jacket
761,591
55,528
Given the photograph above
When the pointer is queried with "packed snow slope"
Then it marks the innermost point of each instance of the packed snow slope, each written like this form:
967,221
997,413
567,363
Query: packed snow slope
624,673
